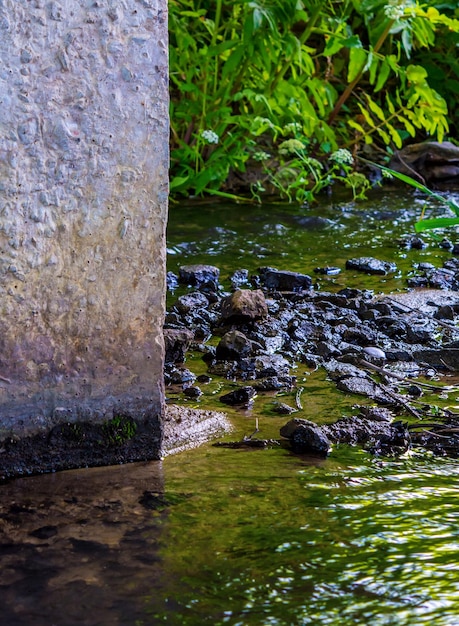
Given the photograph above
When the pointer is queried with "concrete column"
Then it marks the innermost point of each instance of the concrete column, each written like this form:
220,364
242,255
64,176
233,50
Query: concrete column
83,201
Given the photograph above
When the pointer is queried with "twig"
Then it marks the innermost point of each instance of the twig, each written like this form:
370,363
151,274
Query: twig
299,406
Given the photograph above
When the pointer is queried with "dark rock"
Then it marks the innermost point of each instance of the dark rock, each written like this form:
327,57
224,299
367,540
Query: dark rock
172,281
176,342
238,396
233,346
432,161
305,436
440,358
266,365
239,278
283,409
244,304
203,379
199,275
327,271
445,312
365,387
369,265
177,376
376,413
314,222
190,302
192,392
275,383
278,280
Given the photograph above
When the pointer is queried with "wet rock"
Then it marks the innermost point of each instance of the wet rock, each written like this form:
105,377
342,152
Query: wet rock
172,281
381,436
376,413
191,302
203,379
239,278
275,383
370,265
192,392
365,387
314,222
374,353
178,376
199,275
441,358
233,346
305,436
176,342
327,271
267,365
239,396
244,304
278,280
283,409
432,161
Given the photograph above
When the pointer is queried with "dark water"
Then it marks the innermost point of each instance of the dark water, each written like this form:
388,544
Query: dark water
249,538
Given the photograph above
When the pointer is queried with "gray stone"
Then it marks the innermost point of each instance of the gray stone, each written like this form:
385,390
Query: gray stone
369,265
198,275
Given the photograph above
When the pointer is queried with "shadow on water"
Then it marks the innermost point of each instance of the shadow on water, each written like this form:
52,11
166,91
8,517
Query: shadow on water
247,537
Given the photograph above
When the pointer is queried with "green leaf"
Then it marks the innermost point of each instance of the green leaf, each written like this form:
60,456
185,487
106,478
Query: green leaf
382,76
376,109
177,182
436,222
333,46
357,60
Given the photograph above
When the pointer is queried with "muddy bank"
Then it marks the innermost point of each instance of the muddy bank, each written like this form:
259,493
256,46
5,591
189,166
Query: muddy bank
388,350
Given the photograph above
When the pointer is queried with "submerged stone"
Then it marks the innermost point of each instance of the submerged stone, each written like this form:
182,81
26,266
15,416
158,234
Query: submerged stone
370,265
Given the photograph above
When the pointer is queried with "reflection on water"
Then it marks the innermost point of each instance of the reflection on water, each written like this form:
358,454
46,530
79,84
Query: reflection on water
234,537
349,540
250,538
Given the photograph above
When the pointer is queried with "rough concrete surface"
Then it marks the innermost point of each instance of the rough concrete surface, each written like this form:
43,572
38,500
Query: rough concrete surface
83,201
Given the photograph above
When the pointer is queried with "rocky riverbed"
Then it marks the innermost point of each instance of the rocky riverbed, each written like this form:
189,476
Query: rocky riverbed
386,352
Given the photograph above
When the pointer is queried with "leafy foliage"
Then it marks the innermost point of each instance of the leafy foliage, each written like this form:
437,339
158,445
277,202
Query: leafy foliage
250,75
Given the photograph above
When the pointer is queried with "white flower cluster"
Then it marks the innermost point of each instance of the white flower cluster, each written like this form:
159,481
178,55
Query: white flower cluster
261,156
292,127
342,157
210,136
395,10
291,146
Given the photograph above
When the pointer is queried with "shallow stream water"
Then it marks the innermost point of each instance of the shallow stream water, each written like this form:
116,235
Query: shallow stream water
248,537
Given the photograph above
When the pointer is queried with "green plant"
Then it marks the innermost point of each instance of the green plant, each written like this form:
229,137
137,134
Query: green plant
341,74
119,429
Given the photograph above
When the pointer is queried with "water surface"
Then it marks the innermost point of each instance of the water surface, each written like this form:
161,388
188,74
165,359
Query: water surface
248,537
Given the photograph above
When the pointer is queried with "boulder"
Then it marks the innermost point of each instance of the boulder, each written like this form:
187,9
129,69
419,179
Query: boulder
305,436
277,280
199,275
233,346
243,395
176,343
244,305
